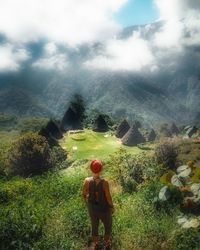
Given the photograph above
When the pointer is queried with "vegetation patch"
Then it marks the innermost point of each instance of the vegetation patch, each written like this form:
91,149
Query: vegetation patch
94,145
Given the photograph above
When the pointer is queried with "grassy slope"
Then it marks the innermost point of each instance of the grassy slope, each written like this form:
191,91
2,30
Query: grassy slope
47,212
6,138
91,145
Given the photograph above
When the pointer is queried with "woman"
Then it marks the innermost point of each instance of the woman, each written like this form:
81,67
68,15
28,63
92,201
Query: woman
96,194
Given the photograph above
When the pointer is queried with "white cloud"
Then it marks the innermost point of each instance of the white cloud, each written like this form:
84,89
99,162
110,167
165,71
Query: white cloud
56,62
170,9
50,48
11,57
75,22
181,17
52,59
170,35
69,21
163,48
131,54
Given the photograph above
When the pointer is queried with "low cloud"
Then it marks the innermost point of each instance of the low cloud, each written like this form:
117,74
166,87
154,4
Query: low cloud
162,48
11,57
182,23
52,59
131,54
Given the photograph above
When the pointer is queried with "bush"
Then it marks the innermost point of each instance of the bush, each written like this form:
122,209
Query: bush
58,155
2,162
29,155
43,212
164,130
189,151
166,154
132,170
186,239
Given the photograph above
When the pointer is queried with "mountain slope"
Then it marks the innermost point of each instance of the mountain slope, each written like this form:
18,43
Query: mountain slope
172,94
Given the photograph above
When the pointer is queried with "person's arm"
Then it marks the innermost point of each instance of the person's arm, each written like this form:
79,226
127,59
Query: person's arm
108,195
85,190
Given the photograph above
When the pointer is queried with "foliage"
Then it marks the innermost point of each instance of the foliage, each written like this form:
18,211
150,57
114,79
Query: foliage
29,155
32,124
6,138
47,211
78,105
138,225
58,155
182,188
189,151
91,115
166,154
44,212
137,124
164,130
132,170
186,239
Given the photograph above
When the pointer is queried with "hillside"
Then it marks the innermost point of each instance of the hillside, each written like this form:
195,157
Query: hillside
47,211
168,94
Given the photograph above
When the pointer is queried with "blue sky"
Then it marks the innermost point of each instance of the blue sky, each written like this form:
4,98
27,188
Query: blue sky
137,12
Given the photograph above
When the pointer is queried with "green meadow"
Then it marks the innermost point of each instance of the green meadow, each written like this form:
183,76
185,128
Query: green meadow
89,144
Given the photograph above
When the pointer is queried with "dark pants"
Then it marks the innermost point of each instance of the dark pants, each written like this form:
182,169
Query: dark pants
105,217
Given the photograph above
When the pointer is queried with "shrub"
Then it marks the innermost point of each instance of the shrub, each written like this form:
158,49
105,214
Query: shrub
188,151
58,155
164,130
29,155
132,170
166,154
186,239
2,173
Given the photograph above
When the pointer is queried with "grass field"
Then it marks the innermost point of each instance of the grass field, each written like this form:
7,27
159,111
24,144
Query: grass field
89,144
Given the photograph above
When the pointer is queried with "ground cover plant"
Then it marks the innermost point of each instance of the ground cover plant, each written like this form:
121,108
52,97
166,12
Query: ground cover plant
47,211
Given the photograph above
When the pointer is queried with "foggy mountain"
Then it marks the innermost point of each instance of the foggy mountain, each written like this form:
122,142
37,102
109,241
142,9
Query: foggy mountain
163,92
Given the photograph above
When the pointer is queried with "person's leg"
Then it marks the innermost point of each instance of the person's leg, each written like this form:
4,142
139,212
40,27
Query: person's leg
107,222
95,226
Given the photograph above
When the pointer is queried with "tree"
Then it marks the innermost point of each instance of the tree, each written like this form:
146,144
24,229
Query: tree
29,155
78,105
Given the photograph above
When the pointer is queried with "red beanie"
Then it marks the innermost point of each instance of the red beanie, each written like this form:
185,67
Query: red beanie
96,166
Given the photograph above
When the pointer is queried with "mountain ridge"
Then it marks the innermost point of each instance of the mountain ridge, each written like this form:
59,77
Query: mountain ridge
167,96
